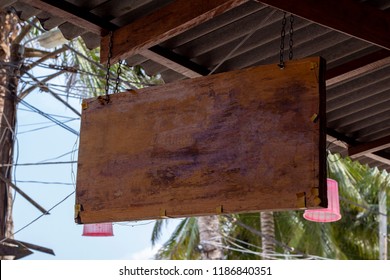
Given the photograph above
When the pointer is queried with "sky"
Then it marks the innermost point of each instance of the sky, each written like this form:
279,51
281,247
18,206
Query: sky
58,230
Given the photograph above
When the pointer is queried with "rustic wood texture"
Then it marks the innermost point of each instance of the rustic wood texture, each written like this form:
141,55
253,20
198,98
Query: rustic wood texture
17,251
167,22
234,142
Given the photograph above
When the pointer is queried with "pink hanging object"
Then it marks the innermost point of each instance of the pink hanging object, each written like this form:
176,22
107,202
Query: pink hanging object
104,229
330,214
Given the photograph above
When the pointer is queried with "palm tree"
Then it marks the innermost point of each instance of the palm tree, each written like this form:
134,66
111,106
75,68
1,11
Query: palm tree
268,229
193,238
183,243
210,239
353,237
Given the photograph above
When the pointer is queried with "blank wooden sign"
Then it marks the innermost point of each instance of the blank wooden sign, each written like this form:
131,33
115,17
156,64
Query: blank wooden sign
242,141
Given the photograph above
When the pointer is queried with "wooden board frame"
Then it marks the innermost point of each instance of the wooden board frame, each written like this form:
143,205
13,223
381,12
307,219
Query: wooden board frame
242,141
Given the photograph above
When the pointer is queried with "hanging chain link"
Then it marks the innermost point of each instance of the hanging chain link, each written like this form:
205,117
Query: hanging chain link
282,37
118,76
291,43
107,87
118,72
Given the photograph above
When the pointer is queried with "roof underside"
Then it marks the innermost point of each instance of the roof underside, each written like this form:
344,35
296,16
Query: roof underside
358,76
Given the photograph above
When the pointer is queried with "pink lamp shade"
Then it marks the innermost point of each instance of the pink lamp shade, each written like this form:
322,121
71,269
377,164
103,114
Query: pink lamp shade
104,229
330,214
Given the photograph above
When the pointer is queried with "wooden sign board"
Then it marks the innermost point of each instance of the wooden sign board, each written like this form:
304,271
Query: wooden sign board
242,141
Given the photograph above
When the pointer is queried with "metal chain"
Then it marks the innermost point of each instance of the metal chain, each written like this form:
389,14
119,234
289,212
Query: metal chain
118,76
291,43
282,35
107,87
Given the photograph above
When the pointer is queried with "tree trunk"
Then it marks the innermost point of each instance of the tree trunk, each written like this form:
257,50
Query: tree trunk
10,63
210,238
268,229
382,223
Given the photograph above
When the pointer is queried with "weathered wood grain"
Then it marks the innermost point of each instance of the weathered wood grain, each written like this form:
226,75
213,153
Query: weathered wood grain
161,25
234,142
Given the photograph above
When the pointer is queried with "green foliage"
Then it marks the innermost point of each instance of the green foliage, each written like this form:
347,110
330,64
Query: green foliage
91,75
239,239
355,236
357,232
183,243
85,76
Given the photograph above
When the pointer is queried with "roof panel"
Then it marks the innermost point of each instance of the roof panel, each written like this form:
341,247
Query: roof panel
138,11
357,107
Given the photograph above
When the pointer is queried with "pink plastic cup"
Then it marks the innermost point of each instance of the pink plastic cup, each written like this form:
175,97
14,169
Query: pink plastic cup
104,229
330,214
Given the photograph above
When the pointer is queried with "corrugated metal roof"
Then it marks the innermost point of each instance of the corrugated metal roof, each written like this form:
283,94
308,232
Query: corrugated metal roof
358,107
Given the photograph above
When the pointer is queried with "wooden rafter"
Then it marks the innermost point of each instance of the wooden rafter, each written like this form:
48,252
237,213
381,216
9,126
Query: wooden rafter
17,251
370,147
357,63
383,154
31,246
347,16
175,62
335,75
358,67
161,25
379,158
343,143
22,193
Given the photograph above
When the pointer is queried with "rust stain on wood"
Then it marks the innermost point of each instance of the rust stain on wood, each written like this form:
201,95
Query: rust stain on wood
243,139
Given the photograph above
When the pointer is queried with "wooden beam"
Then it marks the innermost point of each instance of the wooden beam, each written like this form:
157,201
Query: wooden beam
177,67
355,70
73,14
383,153
10,249
22,193
357,63
167,22
347,16
369,147
337,74
379,158
175,62
31,246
